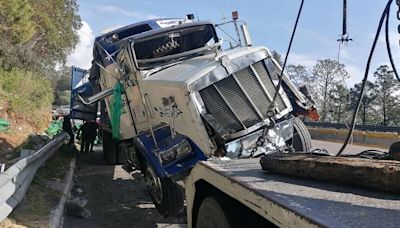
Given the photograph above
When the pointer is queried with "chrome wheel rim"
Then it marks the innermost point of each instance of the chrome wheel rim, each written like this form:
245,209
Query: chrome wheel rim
153,183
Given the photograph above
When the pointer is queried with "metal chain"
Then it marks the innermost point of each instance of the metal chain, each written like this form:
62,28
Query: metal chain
261,142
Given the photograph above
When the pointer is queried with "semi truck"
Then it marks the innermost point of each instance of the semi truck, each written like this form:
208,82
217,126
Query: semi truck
172,93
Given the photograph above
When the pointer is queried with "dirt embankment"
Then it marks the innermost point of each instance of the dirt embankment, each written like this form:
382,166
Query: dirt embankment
12,140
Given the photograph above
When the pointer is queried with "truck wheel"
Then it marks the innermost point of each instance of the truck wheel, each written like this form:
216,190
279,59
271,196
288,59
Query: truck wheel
166,195
211,215
301,137
113,155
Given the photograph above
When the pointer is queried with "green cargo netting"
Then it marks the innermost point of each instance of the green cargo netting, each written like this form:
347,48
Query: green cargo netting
116,109
4,125
54,128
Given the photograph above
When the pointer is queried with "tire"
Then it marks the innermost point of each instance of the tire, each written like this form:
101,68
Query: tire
211,215
166,195
301,137
113,155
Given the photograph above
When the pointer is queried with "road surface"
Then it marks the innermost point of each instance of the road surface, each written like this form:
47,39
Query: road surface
117,199
333,147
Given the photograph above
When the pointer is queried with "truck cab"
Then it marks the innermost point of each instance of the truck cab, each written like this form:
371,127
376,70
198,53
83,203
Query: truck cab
174,97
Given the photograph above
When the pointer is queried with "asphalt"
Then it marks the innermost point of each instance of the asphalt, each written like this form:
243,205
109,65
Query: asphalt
115,198
334,147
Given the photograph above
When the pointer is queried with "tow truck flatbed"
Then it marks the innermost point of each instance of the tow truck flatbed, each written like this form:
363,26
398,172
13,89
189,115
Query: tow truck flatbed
293,202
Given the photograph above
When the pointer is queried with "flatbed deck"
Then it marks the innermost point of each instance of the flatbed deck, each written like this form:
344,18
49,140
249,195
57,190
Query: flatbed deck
288,201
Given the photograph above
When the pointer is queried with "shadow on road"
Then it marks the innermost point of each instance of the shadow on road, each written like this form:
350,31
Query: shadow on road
115,198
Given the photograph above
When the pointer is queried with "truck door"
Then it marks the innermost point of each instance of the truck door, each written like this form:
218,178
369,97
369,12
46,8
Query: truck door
132,99
81,86
132,115
133,95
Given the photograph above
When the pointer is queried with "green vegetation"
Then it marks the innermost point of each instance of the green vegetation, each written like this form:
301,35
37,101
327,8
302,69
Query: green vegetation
336,102
61,82
26,91
35,37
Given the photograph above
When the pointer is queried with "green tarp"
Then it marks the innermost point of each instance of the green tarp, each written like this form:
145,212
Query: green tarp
116,109
54,128
4,125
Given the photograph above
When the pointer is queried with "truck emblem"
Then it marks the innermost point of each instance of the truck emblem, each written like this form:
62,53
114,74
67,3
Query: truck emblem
169,108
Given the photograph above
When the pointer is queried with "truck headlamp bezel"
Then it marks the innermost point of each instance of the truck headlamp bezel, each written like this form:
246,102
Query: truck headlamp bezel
178,151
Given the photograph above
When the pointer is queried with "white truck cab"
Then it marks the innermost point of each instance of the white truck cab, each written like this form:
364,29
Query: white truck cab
171,96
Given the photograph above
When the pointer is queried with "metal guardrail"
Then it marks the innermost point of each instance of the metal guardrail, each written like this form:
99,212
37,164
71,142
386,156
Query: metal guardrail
15,180
358,127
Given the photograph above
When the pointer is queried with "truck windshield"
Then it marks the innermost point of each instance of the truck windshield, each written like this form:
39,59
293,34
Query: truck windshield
174,45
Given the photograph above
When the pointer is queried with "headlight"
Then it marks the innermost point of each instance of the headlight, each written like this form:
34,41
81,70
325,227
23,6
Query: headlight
175,152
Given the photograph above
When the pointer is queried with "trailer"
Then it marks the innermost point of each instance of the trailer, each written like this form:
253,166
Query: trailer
238,193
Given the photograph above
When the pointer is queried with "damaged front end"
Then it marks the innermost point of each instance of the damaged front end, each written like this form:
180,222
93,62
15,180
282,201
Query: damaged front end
237,104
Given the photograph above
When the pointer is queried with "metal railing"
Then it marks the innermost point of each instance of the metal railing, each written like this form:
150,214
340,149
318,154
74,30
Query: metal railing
358,127
16,179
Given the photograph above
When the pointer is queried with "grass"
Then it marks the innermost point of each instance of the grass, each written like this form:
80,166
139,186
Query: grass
28,94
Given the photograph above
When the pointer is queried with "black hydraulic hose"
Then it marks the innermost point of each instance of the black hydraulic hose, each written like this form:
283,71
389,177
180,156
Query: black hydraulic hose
388,45
288,51
364,82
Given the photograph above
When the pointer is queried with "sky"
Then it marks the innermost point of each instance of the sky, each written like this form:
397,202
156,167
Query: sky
270,24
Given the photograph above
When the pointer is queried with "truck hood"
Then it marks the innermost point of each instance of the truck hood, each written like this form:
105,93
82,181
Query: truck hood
188,71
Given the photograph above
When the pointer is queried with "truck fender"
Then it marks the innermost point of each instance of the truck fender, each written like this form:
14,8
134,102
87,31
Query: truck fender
144,147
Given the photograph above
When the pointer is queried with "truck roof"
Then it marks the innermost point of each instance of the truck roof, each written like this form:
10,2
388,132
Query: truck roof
150,24
113,40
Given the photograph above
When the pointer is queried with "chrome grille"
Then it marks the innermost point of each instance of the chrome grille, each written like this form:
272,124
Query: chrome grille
242,99
262,72
219,109
251,85
237,101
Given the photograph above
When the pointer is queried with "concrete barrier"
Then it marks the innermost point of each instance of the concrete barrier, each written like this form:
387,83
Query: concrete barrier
370,138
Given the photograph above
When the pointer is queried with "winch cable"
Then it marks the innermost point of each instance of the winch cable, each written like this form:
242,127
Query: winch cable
365,79
287,53
388,40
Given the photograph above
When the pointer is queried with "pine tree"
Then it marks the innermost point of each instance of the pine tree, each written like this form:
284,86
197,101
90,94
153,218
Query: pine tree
325,76
386,86
299,74
339,105
367,110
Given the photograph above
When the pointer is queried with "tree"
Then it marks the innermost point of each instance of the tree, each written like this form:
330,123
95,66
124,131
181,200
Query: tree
367,112
62,98
277,57
385,88
36,35
58,22
298,74
339,102
15,21
325,76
